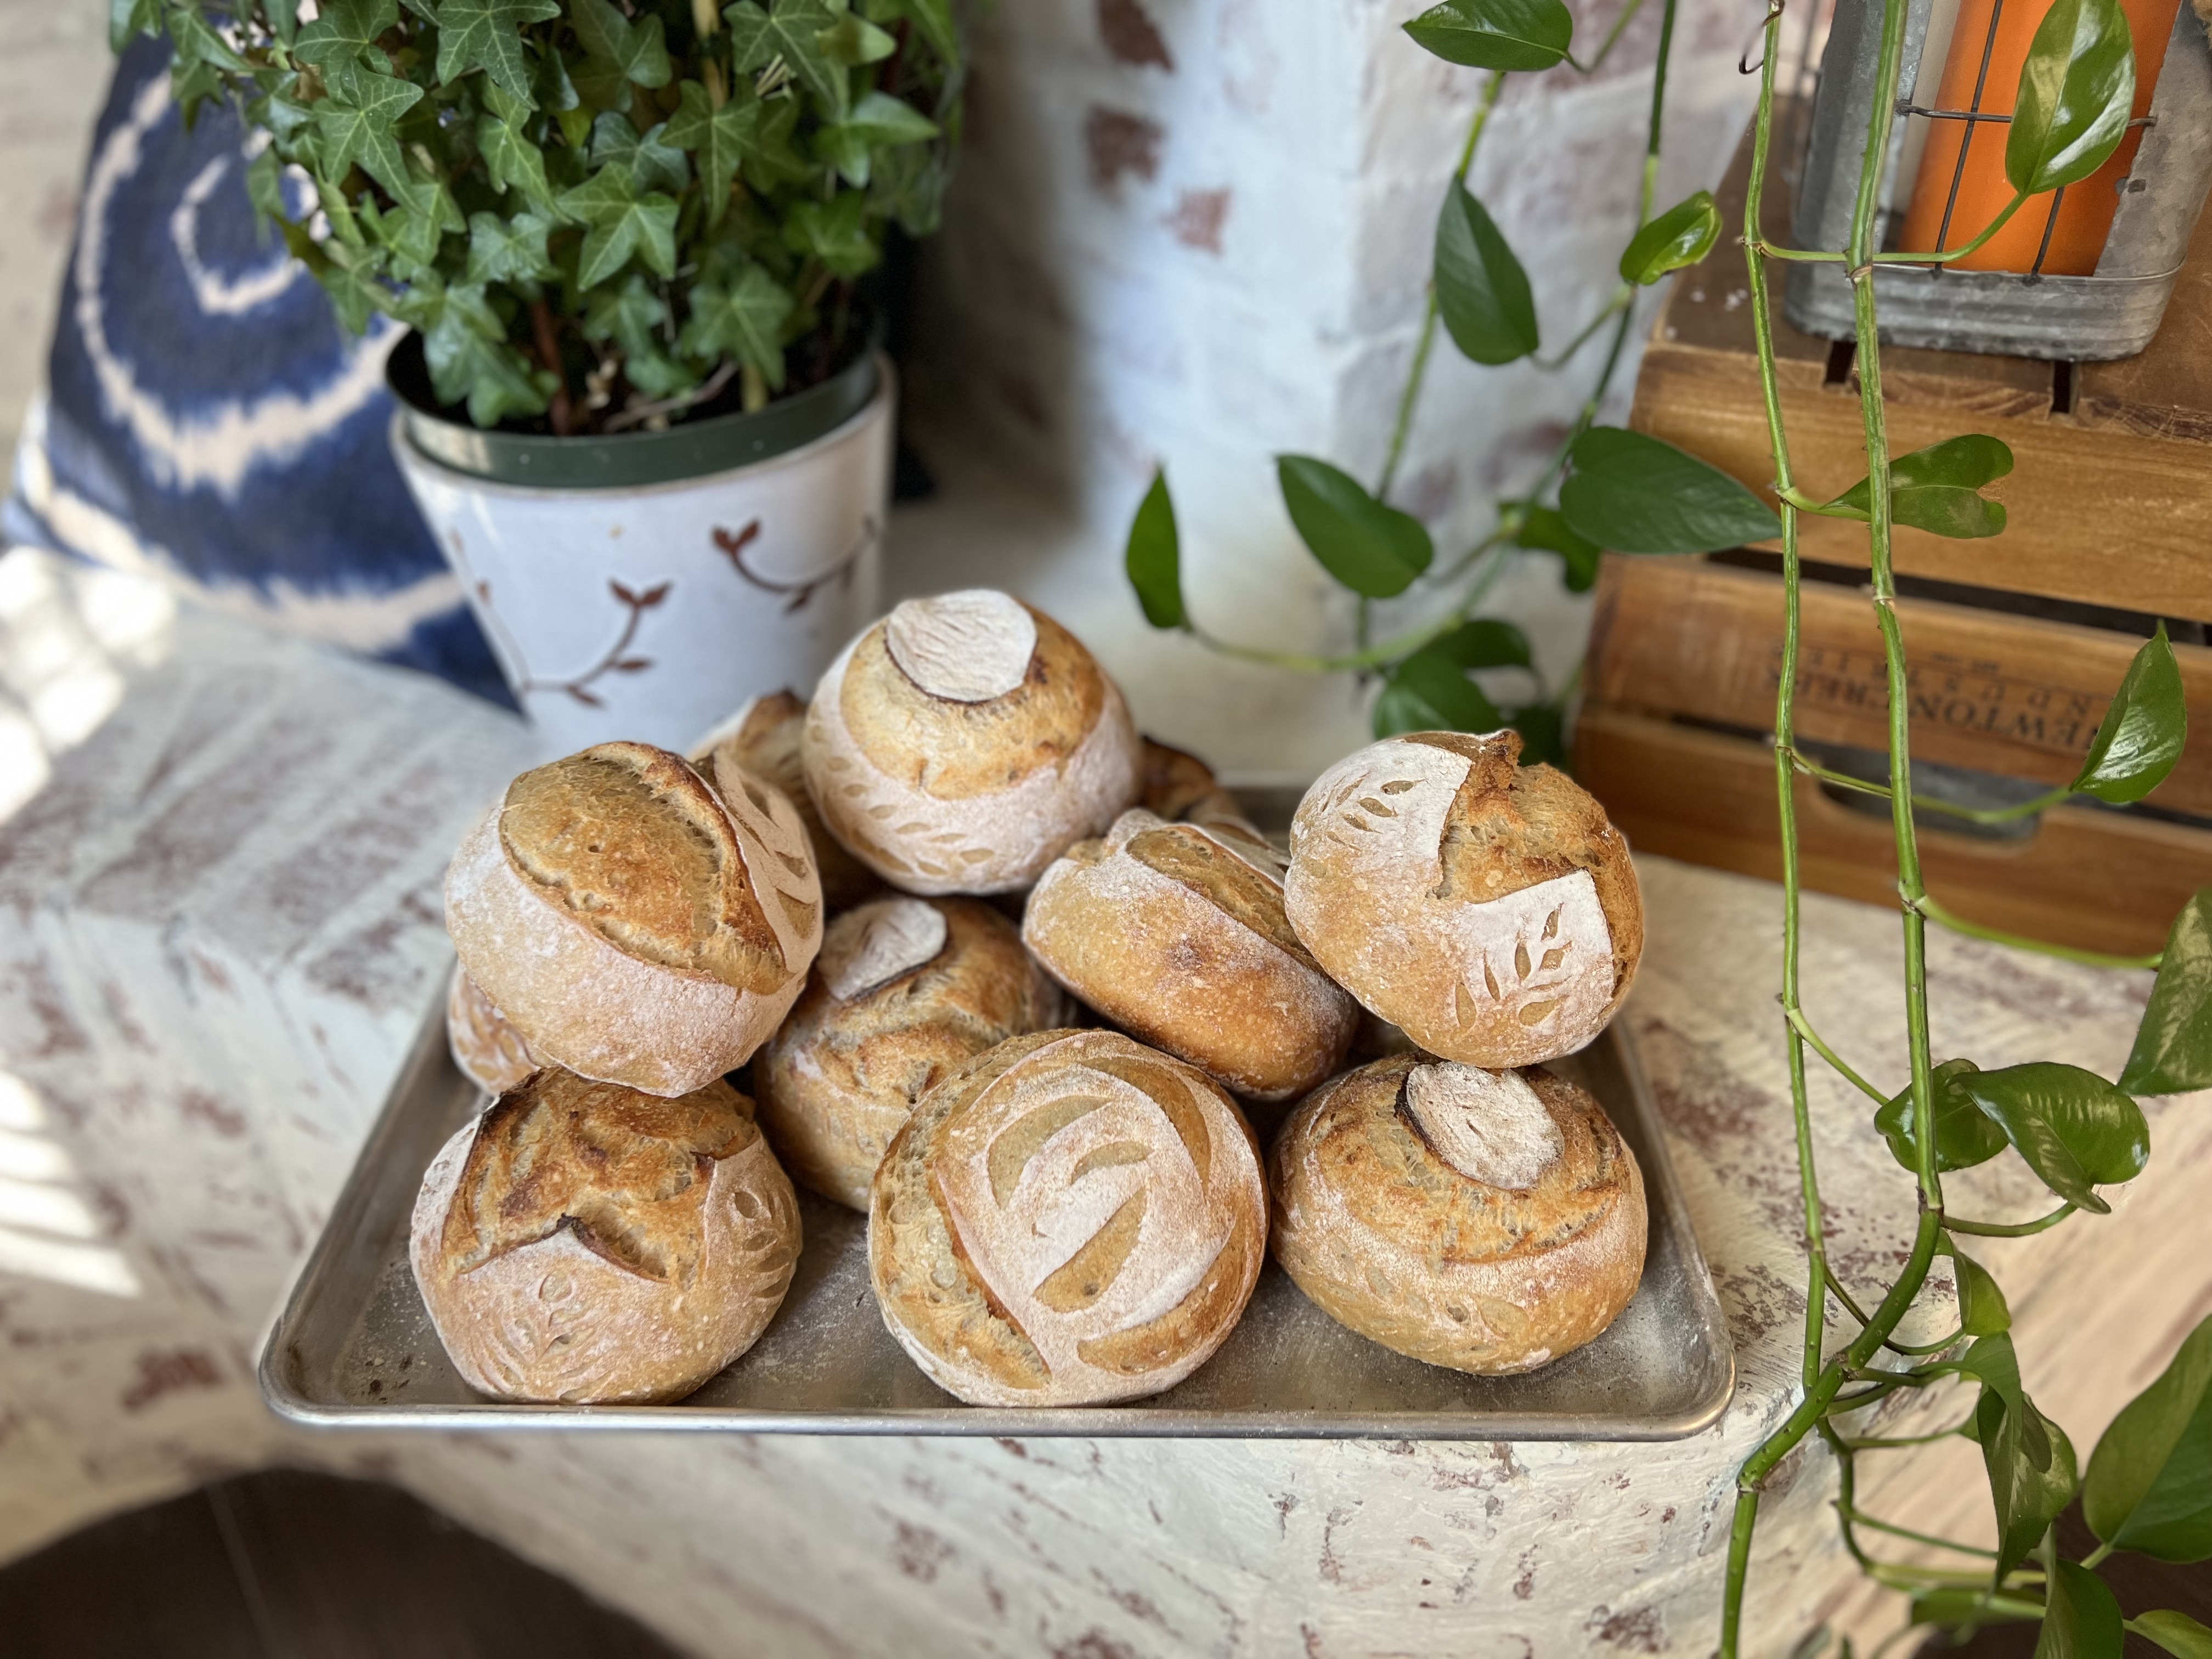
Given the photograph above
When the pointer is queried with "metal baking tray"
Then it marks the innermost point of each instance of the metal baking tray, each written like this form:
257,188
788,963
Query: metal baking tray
354,1348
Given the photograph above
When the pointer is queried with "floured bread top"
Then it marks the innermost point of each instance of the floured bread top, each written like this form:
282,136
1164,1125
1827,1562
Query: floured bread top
957,747
628,839
969,646
1238,878
762,737
1489,1125
869,947
627,1173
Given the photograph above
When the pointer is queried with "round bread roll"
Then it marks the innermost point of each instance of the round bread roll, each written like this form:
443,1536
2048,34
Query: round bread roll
632,924
1175,932
1487,908
963,743
490,1052
905,992
1489,1221
584,1242
763,739
1178,786
1070,1219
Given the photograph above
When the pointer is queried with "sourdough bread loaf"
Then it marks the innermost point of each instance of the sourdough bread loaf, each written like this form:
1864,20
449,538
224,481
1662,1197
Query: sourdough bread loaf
904,992
1488,909
961,744
1070,1219
634,925
588,1243
763,740
1488,1221
1175,932
1180,786
490,1052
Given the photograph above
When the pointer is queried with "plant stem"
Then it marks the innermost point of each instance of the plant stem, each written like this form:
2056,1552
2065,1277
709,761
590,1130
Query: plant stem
1896,1531
1957,924
2008,1229
1884,1442
1612,35
2011,814
1799,1025
1622,296
1411,395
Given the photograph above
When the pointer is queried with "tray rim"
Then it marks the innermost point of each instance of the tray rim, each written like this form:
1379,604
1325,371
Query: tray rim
350,1215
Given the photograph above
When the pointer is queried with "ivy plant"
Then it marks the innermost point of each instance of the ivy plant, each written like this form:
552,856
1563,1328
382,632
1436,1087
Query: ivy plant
599,214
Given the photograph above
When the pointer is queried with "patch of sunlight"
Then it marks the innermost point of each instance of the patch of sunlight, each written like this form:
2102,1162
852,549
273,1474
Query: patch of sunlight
46,1229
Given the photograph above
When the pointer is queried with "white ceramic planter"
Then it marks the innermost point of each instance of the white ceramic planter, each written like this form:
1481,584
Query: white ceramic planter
649,612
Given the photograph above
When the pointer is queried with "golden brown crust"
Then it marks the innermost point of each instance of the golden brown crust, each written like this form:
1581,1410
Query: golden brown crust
842,1075
1489,909
1390,1239
954,749
490,1052
631,842
763,739
1071,1219
1170,932
584,1242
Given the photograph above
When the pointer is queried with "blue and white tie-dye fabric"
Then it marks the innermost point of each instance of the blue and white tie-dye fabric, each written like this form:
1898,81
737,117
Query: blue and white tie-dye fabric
207,419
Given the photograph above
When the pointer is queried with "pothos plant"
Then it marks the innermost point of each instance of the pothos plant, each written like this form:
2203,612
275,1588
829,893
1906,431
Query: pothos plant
2146,1485
600,213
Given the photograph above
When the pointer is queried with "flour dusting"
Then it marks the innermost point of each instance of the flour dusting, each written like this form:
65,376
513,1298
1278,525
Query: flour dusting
1489,1125
969,646
875,944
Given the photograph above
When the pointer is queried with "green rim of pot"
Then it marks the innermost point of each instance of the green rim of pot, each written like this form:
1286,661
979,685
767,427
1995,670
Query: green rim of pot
690,449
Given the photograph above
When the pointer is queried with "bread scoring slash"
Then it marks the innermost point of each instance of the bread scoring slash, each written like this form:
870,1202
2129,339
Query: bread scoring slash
634,925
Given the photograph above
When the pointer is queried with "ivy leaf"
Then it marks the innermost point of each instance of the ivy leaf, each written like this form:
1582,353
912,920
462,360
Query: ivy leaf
1371,549
632,316
933,18
487,35
348,275
1431,692
346,28
469,357
1938,488
1679,237
502,250
1637,495
745,320
129,19
354,123
852,41
1964,1136
2177,1633
878,122
197,42
2149,1485
1496,35
1485,642
1546,530
651,161
2142,735
2076,90
2073,1128
513,161
907,185
1482,293
793,31
2174,1045
658,375
638,51
620,222
422,213
721,139
1154,557
834,232
2081,1618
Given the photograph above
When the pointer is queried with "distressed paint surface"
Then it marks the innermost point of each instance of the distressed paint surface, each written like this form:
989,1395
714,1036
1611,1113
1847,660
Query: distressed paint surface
218,929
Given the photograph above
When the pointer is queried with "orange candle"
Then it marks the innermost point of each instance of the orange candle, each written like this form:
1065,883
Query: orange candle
1962,186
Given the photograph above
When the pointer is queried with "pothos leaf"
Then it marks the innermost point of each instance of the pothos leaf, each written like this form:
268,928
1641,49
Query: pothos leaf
1430,692
1635,494
1482,293
2076,90
1545,529
2028,1458
2143,732
2073,1128
2174,1045
2149,1485
1496,35
1679,237
1982,1310
2177,1633
2080,1617
1153,558
1372,549
1964,1136
1938,488
1485,642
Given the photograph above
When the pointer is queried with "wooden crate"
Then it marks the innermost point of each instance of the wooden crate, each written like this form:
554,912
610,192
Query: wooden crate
2109,525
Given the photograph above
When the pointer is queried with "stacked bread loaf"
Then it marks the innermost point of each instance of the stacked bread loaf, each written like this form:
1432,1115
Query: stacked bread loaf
1049,1128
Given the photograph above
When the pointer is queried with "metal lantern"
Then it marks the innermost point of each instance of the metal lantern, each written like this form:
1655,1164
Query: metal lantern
2081,273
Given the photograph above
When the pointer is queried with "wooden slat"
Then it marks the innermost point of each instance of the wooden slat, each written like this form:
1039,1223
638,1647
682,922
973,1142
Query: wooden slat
2107,505
2097,880
2014,696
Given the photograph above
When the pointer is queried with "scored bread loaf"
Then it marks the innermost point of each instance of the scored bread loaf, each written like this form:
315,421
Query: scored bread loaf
490,1052
962,743
1489,1221
1070,1219
763,739
634,925
584,1242
904,992
1178,786
1490,909
1175,932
